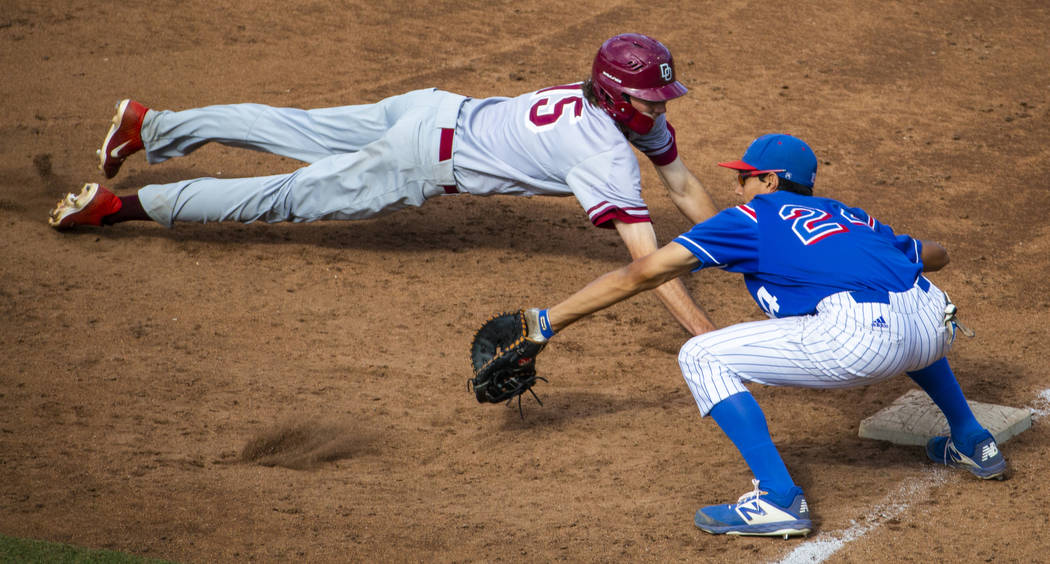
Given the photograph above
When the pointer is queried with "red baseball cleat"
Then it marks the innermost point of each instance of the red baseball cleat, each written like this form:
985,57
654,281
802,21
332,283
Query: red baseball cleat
124,137
88,208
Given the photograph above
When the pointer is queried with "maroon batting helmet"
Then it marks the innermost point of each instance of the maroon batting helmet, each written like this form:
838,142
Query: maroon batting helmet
638,66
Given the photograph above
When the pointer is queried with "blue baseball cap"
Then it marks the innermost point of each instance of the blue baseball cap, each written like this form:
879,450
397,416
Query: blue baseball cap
789,157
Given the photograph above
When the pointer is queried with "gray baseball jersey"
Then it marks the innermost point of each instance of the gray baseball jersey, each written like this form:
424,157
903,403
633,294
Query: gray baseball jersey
371,159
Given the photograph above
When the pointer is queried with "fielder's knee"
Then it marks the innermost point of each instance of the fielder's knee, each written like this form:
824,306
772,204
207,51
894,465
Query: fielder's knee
709,380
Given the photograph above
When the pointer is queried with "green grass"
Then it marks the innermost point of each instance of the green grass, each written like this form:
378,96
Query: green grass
24,550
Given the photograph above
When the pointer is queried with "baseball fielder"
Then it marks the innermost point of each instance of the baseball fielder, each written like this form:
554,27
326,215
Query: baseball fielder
368,160
848,304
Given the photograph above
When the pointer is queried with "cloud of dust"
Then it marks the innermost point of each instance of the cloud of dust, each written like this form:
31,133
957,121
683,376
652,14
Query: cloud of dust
303,445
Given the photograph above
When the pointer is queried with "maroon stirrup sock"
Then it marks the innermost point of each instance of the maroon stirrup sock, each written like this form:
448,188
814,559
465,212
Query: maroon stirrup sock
130,210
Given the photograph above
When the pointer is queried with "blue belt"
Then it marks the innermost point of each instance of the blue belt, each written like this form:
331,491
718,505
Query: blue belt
870,296
882,296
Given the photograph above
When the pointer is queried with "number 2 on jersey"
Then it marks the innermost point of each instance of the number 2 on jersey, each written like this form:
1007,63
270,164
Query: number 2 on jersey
810,224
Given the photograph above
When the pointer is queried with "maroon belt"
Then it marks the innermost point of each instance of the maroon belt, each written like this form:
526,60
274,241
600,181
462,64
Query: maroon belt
445,153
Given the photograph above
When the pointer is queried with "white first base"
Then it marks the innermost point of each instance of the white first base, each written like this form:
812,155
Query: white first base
913,419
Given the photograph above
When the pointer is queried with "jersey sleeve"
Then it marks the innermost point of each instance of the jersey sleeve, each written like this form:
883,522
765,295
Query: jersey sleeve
608,185
911,247
659,144
729,240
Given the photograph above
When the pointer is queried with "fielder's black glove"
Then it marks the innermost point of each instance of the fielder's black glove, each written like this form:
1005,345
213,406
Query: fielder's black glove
504,358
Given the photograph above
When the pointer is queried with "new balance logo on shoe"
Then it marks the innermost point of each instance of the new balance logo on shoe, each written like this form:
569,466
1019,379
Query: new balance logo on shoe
879,323
748,512
989,451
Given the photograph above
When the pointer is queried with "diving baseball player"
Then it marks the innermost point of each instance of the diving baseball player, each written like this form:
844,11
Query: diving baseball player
849,306
368,160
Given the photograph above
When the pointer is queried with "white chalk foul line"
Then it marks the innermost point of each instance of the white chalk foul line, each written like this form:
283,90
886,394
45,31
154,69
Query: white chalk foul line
892,506
1042,405
825,544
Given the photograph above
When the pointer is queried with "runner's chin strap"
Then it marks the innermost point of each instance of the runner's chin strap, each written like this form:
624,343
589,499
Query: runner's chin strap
628,115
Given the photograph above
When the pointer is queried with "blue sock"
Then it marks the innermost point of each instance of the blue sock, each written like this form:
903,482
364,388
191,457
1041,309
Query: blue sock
939,382
744,423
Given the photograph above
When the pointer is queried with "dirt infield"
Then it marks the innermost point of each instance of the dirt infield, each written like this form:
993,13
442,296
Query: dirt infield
231,392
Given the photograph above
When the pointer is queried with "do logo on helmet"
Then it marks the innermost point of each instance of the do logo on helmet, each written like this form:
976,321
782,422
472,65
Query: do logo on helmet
666,72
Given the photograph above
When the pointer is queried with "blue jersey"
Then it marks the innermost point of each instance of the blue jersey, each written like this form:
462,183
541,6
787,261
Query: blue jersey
795,250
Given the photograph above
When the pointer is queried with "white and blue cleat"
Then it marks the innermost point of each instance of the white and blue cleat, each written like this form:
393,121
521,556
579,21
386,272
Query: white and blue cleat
985,462
756,513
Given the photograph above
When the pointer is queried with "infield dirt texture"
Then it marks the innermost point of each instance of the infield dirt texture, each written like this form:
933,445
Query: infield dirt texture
272,392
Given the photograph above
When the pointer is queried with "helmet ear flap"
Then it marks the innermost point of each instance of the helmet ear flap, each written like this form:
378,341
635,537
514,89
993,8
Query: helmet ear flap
623,112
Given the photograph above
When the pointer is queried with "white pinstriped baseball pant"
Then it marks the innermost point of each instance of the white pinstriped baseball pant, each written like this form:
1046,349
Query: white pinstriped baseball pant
844,344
